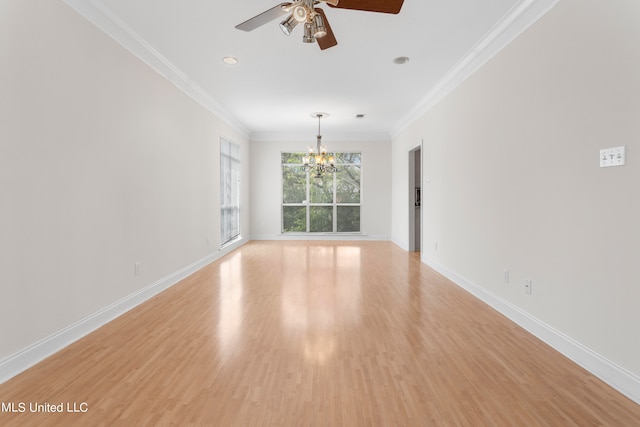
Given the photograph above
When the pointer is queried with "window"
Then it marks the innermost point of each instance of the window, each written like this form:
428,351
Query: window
229,191
330,204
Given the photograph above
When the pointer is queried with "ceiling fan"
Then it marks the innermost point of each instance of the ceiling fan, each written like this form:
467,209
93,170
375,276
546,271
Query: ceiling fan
316,26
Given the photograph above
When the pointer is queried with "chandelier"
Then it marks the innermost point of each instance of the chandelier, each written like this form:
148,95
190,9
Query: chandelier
317,160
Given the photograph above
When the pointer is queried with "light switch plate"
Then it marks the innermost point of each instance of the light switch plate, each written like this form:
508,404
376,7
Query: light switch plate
612,157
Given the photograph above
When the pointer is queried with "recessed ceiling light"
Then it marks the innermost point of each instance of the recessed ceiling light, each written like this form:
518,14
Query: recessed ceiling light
230,60
401,60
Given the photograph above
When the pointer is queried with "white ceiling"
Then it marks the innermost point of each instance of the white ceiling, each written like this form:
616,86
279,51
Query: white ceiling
279,81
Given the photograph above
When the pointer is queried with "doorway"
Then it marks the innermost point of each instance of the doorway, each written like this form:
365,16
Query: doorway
415,199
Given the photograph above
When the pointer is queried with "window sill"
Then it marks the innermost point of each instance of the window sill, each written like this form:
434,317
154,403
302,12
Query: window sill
231,242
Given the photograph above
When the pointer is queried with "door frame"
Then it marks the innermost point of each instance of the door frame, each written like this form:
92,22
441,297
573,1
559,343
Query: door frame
412,184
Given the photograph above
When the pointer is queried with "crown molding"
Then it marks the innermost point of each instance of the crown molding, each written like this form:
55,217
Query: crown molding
332,136
519,18
96,12
515,22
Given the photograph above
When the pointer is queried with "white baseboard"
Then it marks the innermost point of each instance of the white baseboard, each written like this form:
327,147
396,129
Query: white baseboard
400,244
619,378
616,376
345,237
40,350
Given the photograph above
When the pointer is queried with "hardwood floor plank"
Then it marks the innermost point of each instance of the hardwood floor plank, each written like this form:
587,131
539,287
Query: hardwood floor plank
315,334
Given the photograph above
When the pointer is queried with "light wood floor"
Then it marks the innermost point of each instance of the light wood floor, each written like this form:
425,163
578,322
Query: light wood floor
315,334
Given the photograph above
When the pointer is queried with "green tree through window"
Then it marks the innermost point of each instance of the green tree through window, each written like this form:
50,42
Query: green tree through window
330,204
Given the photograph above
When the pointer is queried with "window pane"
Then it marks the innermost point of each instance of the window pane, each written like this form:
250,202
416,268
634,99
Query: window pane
321,219
294,218
348,219
321,190
348,158
295,158
294,184
311,204
229,191
348,184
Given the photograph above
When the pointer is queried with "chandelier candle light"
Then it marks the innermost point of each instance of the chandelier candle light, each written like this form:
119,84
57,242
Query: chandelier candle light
318,161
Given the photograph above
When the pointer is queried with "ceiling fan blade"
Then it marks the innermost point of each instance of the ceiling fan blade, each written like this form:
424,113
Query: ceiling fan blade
264,17
329,40
382,6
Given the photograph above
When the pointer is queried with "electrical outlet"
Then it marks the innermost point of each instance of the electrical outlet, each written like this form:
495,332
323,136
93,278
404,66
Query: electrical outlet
612,157
527,286
505,275
136,268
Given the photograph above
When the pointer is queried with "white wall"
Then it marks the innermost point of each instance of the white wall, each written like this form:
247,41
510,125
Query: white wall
103,163
266,184
512,156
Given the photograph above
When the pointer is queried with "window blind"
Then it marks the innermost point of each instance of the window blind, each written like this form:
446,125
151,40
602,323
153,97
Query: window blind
229,191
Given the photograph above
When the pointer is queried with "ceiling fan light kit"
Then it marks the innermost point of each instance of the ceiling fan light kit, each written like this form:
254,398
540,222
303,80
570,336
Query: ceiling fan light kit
288,25
300,12
316,27
308,34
